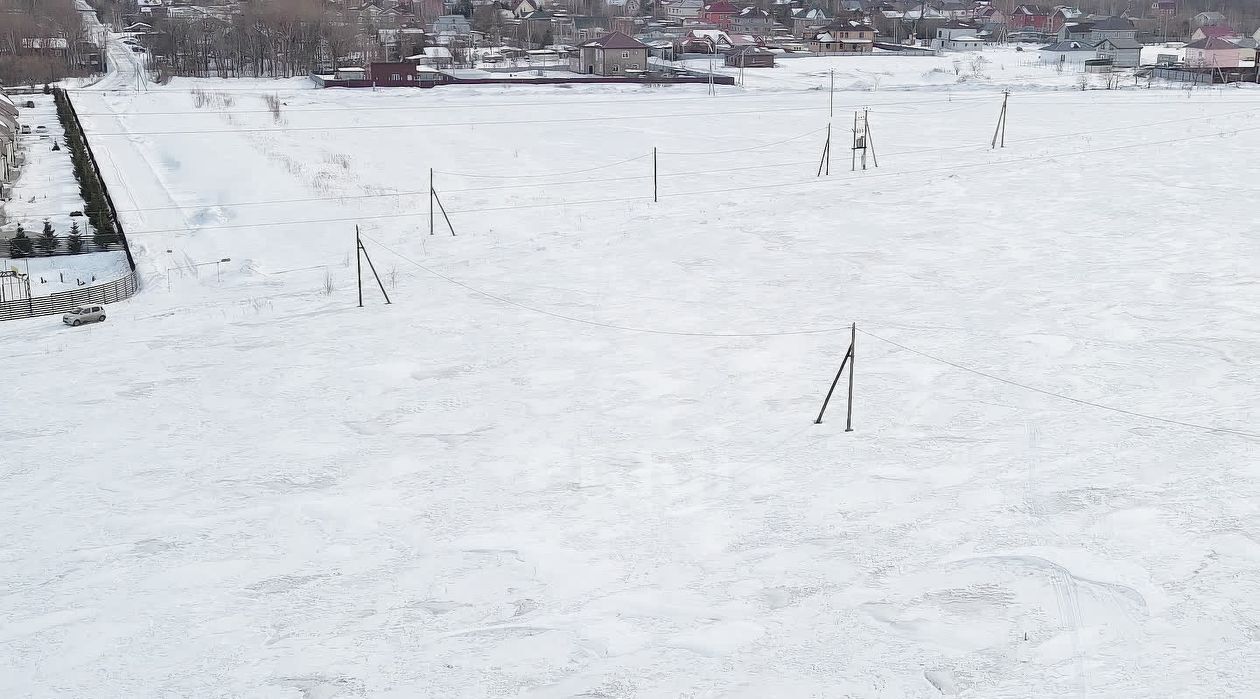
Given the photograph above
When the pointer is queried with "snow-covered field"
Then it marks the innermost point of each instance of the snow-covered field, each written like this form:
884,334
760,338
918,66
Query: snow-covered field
576,456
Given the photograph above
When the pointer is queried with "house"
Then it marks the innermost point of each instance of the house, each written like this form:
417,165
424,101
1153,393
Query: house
1112,28
1075,31
1164,8
719,14
457,25
1124,53
1208,19
957,36
989,15
683,9
705,41
1067,52
750,57
1212,52
433,57
1061,16
843,37
1214,31
521,8
613,55
578,29
752,20
813,18
1030,18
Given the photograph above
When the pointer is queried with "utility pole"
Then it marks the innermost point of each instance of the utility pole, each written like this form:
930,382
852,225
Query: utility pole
430,201
1000,129
358,265
831,112
654,189
847,361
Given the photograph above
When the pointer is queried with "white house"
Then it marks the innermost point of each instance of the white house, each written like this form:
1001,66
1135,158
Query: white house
1067,53
684,9
957,36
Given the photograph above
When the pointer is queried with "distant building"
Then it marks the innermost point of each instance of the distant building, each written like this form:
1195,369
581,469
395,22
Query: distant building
750,57
1030,18
1124,53
752,20
1212,52
612,55
843,37
1067,53
719,14
1112,28
683,9
1208,19
1164,8
1214,31
957,36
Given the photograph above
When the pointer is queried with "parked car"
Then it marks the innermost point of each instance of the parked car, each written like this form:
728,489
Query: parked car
84,314
137,49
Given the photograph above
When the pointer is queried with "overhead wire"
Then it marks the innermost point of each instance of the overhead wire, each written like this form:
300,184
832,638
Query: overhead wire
1062,396
951,168
596,323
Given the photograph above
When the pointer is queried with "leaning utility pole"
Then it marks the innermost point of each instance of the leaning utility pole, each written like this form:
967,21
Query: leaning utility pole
1001,124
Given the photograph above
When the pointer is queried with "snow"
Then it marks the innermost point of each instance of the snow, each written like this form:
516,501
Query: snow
492,488
46,188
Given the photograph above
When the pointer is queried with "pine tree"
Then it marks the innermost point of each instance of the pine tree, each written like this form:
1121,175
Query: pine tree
75,242
48,239
19,244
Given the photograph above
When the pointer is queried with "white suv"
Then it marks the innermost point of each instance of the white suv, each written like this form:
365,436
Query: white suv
84,314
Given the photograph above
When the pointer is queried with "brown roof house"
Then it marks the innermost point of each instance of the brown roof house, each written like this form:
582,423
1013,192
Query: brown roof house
750,57
612,55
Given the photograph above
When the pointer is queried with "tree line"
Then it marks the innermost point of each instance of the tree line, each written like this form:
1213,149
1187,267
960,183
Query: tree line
27,56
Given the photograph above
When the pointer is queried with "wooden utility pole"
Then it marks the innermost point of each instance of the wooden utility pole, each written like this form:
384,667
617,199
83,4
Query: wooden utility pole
430,201
1000,129
832,105
654,188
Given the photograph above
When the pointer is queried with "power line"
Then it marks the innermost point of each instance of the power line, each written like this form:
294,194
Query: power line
461,106
508,122
595,323
953,167
548,174
1061,396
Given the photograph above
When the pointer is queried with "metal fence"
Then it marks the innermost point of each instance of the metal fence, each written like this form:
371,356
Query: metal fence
64,301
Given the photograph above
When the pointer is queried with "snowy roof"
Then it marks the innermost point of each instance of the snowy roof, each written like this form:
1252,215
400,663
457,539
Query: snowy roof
717,36
1217,30
1062,46
721,7
615,40
753,13
1212,43
437,52
1122,43
967,38
1113,23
